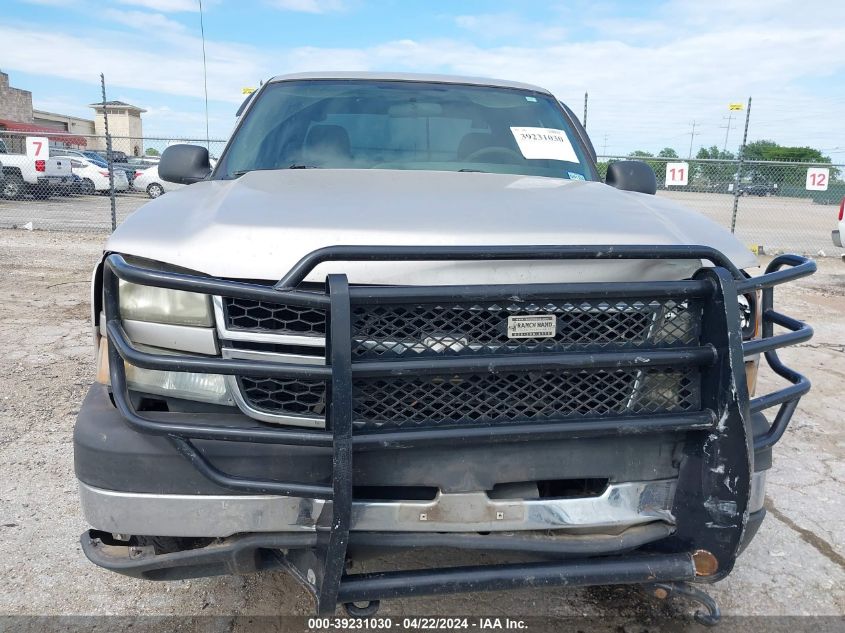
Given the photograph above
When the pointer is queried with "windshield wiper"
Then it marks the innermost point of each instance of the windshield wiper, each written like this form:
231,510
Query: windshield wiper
475,171
241,172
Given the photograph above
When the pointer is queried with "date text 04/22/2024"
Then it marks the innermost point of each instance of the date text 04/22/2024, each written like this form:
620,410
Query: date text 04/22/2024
416,624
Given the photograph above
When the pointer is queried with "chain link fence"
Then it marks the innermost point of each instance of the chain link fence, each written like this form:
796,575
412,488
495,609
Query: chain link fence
772,207
61,181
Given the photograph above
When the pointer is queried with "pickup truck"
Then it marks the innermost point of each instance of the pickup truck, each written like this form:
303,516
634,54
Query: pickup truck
402,312
33,172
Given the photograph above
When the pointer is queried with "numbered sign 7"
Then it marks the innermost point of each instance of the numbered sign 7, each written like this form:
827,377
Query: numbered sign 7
37,147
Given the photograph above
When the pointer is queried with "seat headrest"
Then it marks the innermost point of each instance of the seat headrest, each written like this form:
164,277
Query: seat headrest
326,142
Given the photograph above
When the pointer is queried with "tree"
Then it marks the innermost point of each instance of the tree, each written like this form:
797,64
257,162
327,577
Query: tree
152,151
714,175
667,152
766,150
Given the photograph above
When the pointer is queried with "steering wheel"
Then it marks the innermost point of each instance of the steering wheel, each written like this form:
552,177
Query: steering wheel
490,154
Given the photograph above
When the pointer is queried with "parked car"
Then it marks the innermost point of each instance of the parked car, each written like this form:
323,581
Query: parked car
95,177
142,162
36,173
117,156
100,161
148,180
758,189
838,233
404,312
95,159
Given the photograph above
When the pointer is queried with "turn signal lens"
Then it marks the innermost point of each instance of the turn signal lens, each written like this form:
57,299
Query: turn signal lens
209,388
751,367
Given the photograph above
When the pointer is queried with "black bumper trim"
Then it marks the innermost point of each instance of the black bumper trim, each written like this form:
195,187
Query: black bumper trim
634,569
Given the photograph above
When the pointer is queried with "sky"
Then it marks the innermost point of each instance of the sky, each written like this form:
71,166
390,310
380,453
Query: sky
651,67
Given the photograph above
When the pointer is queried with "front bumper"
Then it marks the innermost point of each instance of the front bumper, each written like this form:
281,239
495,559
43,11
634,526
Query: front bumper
713,442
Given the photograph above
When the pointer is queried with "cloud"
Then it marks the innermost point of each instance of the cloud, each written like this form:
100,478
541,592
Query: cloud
166,6
648,77
509,25
309,6
166,61
142,20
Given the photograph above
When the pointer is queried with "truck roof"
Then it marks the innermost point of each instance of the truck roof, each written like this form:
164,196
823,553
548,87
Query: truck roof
421,77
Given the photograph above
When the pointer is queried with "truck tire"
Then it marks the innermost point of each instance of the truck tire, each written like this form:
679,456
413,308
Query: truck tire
86,187
12,187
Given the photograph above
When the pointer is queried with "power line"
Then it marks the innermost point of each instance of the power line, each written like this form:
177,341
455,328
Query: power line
727,131
691,138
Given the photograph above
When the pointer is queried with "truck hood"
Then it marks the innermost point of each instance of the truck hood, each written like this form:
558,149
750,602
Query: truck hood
260,225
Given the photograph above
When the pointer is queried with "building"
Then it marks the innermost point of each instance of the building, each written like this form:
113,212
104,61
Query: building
64,122
125,126
17,115
15,104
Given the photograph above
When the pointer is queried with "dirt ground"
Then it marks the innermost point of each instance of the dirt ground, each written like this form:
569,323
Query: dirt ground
795,566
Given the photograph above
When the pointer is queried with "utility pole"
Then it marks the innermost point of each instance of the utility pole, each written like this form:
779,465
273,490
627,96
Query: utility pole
109,153
691,138
604,147
738,176
585,110
727,131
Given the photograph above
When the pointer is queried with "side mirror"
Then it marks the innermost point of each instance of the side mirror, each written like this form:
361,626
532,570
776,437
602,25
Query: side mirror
184,164
631,175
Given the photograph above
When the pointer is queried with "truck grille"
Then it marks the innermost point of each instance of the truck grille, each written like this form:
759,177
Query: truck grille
480,398
523,396
262,316
383,331
407,331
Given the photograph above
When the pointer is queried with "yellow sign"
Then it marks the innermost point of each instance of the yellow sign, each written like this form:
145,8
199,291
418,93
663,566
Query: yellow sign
247,91
735,106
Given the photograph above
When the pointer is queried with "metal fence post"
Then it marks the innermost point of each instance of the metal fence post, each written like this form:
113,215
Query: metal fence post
738,176
109,154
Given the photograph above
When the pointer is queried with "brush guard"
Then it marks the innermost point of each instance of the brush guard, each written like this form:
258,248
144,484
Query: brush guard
710,508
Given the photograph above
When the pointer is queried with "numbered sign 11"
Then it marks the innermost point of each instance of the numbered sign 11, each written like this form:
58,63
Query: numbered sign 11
817,179
677,174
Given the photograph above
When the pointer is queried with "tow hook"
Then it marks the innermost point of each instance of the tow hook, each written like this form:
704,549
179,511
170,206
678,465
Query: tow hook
666,590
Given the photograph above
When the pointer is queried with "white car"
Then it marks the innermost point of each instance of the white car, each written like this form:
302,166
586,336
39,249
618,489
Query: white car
838,234
94,177
148,180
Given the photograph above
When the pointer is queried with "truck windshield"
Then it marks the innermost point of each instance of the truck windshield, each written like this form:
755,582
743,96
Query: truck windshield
357,124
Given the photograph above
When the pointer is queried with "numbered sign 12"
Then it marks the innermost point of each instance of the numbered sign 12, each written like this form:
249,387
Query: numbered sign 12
677,174
37,147
817,179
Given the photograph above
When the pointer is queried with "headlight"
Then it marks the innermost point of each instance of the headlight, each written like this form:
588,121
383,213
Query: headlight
175,384
162,305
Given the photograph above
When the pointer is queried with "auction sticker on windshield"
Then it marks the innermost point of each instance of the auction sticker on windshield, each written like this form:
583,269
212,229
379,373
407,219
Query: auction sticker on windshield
544,143
532,326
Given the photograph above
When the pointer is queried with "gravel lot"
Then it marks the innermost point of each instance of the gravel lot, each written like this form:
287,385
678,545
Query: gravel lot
795,566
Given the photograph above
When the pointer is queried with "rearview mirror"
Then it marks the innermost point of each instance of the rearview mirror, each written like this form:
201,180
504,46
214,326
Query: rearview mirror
184,164
631,175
